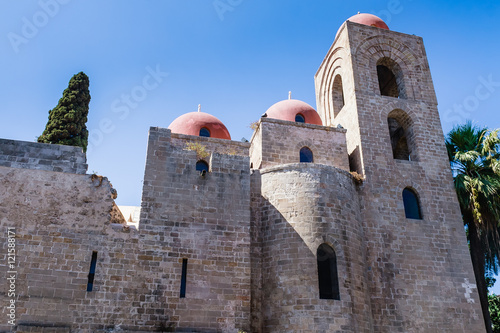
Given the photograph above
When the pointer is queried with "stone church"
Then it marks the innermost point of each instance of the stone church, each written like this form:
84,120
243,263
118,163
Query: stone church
337,219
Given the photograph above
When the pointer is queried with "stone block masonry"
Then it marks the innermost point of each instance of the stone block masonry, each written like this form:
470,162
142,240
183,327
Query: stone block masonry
42,156
278,142
257,241
305,205
204,219
61,219
417,269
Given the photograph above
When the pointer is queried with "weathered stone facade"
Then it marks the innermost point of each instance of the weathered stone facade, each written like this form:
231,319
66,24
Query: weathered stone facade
60,219
412,265
235,248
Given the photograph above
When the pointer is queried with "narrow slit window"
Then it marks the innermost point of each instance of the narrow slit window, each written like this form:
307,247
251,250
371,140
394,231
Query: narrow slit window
328,280
183,278
93,262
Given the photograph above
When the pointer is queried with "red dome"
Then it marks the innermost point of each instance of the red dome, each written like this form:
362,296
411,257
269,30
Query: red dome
368,19
191,123
289,108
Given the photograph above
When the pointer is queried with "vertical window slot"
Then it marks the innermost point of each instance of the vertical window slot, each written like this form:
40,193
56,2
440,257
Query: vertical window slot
93,262
183,278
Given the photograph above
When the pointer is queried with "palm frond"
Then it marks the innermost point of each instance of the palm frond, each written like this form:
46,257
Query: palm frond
474,155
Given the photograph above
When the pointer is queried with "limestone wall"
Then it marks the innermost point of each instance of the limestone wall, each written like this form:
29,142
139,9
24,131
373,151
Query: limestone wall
42,156
338,62
305,205
280,143
419,270
206,220
256,147
256,233
250,227
212,145
60,219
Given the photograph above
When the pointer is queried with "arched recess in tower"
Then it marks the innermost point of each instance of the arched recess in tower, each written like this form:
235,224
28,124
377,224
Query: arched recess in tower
402,135
337,95
390,78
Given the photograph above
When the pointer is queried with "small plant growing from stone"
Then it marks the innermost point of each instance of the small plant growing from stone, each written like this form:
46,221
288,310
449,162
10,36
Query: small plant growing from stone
95,176
201,150
229,151
357,177
254,125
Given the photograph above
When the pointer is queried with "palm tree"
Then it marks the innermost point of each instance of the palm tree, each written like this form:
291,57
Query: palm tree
474,155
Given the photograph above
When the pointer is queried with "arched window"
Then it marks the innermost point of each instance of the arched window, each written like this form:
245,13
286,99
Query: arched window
412,207
390,78
399,142
299,118
205,132
327,273
337,95
306,155
402,135
201,166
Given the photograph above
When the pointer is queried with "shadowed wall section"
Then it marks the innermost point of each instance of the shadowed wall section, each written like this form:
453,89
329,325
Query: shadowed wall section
306,205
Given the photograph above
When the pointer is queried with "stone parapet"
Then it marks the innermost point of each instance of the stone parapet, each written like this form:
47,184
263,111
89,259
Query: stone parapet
42,156
277,142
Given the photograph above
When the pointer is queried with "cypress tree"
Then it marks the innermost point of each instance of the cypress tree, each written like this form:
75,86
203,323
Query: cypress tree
66,125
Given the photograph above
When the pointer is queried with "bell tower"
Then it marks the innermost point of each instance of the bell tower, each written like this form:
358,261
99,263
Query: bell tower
376,83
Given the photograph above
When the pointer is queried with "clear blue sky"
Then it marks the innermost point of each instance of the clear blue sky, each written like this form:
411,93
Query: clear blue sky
235,61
